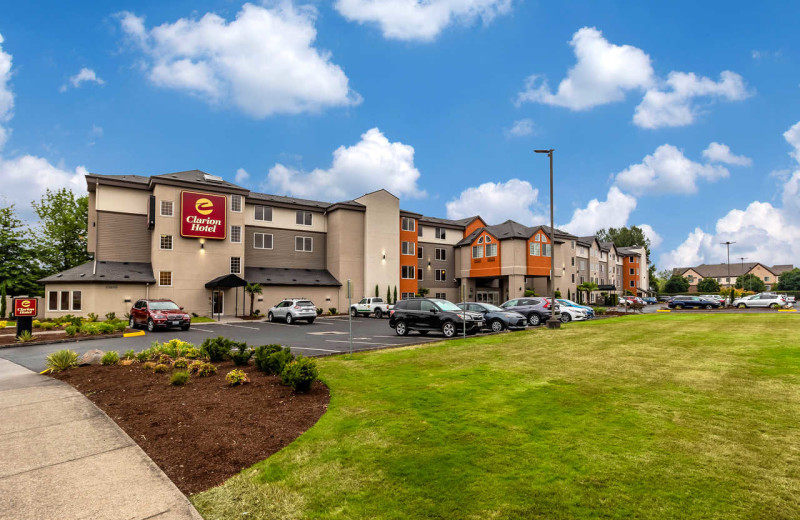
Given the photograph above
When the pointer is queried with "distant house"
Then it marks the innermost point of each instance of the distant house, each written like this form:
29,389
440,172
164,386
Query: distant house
726,278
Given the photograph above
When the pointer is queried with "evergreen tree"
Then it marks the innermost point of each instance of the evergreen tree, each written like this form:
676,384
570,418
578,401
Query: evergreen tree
376,291
3,302
395,294
19,269
789,281
708,285
676,284
388,295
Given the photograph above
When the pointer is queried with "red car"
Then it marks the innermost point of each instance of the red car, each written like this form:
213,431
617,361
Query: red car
161,314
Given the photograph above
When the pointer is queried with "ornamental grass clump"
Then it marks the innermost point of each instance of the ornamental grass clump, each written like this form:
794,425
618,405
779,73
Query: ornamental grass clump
148,365
110,358
25,337
61,360
236,377
300,374
179,378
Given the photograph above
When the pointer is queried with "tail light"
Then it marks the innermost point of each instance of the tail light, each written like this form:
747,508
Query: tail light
296,307
546,304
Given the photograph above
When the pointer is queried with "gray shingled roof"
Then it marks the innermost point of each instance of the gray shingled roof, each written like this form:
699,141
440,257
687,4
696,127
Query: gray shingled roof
135,179
197,177
117,272
445,222
511,229
737,269
286,276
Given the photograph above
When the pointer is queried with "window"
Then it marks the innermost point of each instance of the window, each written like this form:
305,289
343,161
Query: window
441,253
582,265
548,250
407,224
302,218
419,273
573,261
76,300
573,277
440,296
419,252
632,283
263,213
491,249
536,238
165,278
304,244
236,265
166,208
406,295
166,242
236,234
441,233
52,301
572,244
766,278
64,306
407,248
440,275
488,239
480,240
236,203
419,231
407,272
535,248
630,259
477,251
262,241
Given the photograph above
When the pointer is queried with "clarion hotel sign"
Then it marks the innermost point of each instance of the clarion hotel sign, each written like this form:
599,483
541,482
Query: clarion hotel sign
203,215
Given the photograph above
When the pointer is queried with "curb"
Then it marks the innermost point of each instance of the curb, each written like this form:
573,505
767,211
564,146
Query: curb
66,340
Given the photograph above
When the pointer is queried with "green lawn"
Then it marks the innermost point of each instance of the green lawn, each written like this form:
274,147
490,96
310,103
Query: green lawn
202,319
663,416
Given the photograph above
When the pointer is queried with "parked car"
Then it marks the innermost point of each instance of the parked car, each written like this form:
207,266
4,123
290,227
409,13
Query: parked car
761,300
367,306
293,309
692,302
495,318
789,299
572,314
650,300
569,303
714,298
426,314
535,310
664,298
158,314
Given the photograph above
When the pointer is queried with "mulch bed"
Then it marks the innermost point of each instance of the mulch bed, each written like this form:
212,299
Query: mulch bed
9,338
205,432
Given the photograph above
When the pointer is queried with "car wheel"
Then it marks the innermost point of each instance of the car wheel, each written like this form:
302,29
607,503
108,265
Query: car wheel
378,313
742,306
400,328
448,329
708,307
270,317
289,319
185,327
150,325
534,320
311,320
353,312
497,326
132,323
679,306
773,306
565,318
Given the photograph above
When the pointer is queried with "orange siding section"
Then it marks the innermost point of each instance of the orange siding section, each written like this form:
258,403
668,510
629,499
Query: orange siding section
408,286
472,226
484,266
627,265
538,265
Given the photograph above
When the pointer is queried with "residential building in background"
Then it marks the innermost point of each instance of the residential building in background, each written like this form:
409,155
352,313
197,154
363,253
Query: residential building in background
720,272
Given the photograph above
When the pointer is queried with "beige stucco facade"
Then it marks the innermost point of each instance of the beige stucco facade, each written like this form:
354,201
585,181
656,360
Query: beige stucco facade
381,240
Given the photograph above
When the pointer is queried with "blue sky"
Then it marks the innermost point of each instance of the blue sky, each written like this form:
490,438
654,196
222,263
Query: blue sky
441,103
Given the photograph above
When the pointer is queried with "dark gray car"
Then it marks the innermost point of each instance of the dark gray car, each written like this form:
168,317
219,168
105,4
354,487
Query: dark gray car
535,309
495,318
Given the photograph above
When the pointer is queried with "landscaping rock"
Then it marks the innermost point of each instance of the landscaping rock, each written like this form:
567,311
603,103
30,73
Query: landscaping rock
91,357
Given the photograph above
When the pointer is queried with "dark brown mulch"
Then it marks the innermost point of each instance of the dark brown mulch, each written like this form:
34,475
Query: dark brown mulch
8,338
205,432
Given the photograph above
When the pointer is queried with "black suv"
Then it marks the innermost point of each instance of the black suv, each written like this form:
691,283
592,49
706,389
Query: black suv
427,314
535,310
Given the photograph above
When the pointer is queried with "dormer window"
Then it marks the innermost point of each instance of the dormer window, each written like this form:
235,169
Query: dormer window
480,240
488,239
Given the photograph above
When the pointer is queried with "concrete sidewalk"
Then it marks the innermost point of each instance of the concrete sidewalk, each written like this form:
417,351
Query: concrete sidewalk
63,458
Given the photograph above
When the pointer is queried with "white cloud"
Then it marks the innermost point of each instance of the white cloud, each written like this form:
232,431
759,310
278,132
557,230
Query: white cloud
421,20
6,95
612,212
520,128
242,176
650,233
371,164
264,62
762,232
85,75
721,153
603,74
667,170
498,202
676,105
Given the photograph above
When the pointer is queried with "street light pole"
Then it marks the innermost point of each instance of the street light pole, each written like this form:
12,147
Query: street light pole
552,323
743,258
728,243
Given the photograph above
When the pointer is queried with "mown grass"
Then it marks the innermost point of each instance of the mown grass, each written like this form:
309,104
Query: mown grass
202,319
689,416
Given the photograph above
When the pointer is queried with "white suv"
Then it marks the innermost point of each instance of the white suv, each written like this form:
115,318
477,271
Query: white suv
293,309
773,301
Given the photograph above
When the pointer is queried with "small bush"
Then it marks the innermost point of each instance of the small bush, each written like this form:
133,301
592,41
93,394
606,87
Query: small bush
105,328
47,325
216,349
242,354
202,369
236,377
600,310
71,330
180,364
274,362
160,368
25,337
148,365
129,354
111,316
192,352
332,311
110,358
300,374
164,359
76,321
119,325
3,324
319,311
529,292
90,328
179,378
36,324
62,360
91,317
262,353
143,356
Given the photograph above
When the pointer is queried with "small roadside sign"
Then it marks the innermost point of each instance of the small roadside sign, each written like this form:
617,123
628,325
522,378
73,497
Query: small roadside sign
25,307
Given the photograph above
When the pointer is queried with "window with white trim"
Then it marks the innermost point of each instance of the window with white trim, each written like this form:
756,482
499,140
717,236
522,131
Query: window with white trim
165,278
440,296
548,250
440,275
633,284
236,265
165,243
491,250
441,233
480,240
303,218
441,253
263,213
477,251
76,300
420,254
167,209
537,238
407,224
407,272
52,301
64,305
419,273
236,203
536,249
262,240
408,248
303,244
236,234
406,295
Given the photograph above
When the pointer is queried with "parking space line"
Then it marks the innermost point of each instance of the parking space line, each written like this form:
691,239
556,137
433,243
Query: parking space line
202,330
320,349
360,342
240,326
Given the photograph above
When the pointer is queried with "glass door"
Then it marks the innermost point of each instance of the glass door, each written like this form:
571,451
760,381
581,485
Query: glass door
218,303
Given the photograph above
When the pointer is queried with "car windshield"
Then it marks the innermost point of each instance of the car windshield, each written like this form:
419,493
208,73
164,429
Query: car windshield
446,305
568,302
163,306
492,308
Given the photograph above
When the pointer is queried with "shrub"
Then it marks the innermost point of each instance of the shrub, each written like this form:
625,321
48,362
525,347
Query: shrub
47,325
129,354
71,330
319,311
274,362
76,321
216,349
558,294
110,358
3,324
600,310
332,311
91,317
90,328
529,292
36,324
236,377
111,316
261,353
105,328
179,378
242,355
62,360
202,369
119,325
143,356
192,352
181,364
164,359
300,374
25,337
148,365
160,368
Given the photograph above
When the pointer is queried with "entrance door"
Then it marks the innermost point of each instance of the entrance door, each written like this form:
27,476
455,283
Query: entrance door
487,297
217,302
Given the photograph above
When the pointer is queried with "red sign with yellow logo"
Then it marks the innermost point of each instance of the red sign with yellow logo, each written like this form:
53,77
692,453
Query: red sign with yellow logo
203,215
24,307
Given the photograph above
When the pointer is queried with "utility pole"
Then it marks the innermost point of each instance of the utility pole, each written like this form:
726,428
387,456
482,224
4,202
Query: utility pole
552,323
728,243
743,258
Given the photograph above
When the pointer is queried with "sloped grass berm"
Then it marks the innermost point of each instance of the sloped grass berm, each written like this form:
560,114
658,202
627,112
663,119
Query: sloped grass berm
663,416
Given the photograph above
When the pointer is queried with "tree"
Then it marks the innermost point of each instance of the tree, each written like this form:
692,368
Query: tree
376,291
750,282
19,269
588,288
63,230
708,285
423,291
630,237
789,281
676,284
395,295
252,289
388,295
3,302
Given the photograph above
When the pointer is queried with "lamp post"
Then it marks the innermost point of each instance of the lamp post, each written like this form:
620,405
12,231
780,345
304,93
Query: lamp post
743,258
552,323
728,243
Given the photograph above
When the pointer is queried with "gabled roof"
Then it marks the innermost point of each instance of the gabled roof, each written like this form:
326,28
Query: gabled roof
443,222
511,229
196,177
105,272
736,269
630,251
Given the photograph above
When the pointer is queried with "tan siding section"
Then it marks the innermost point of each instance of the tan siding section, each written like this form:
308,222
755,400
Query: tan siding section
122,237
429,273
282,253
